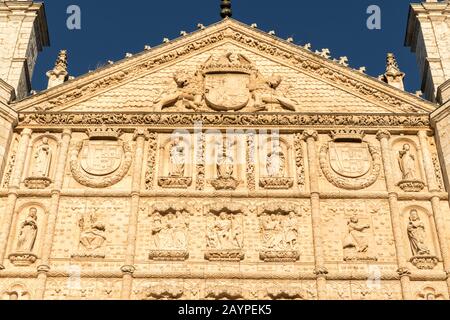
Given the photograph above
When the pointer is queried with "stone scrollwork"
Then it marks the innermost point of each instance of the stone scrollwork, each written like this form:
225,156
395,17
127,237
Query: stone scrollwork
163,292
222,292
101,161
224,237
169,232
280,233
151,160
348,162
429,293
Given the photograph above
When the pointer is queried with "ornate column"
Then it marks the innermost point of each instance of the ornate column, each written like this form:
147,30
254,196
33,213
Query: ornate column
140,136
12,193
435,202
384,136
311,136
44,267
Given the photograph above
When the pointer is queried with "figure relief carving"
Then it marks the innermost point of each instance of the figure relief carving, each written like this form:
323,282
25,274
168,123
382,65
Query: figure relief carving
224,235
169,233
229,82
276,169
356,242
92,236
421,254
177,166
280,233
40,166
101,161
429,293
407,163
225,167
16,292
348,162
26,240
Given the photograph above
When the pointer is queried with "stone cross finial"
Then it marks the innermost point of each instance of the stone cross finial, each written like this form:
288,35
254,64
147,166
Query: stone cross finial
58,74
393,75
226,11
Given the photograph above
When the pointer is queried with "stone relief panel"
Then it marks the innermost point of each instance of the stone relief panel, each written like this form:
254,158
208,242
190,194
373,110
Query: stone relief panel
41,162
83,289
357,231
409,175
280,234
102,160
16,292
429,290
170,232
224,232
27,234
364,290
14,289
176,162
422,246
184,77
91,229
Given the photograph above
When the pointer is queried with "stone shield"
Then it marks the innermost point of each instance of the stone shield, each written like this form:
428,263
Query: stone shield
352,160
227,91
100,158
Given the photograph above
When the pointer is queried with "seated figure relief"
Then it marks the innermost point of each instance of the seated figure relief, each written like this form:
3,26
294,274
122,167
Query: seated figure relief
92,236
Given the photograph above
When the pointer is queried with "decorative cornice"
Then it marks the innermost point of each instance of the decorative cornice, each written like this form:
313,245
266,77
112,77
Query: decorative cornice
285,120
297,57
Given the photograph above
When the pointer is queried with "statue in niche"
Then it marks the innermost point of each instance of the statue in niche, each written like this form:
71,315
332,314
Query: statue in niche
169,231
407,162
264,91
28,232
416,235
356,239
189,93
42,160
177,158
225,233
225,166
276,162
92,232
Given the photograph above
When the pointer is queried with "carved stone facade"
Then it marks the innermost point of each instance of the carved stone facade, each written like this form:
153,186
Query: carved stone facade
221,183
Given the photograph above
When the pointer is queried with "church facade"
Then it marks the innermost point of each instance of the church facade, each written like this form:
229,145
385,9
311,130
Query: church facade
225,164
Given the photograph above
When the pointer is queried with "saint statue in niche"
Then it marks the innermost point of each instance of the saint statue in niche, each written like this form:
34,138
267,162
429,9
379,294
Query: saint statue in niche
276,162
416,235
177,158
92,232
407,162
225,166
225,233
356,239
28,232
42,160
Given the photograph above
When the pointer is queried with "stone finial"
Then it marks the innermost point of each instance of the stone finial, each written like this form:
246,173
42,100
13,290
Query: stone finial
147,47
200,26
290,39
59,73
254,25
307,46
362,69
325,53
128,55
393,75
183,33
225,7
272,32
166,40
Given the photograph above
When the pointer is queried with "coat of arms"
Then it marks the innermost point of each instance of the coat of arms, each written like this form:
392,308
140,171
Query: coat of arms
351,160
101,161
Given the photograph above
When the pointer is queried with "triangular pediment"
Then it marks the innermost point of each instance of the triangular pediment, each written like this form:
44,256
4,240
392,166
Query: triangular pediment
233,56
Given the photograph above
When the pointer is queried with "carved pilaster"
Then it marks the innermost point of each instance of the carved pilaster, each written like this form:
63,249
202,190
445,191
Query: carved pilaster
299,159
151,160
16,176
251,160
140,137
54,208
200,161
311,136
384,137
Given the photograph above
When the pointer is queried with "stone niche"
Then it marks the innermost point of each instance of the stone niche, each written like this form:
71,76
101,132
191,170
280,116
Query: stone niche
27,234
41,162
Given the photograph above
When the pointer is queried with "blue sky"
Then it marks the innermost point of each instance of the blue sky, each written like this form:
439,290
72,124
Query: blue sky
109,29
